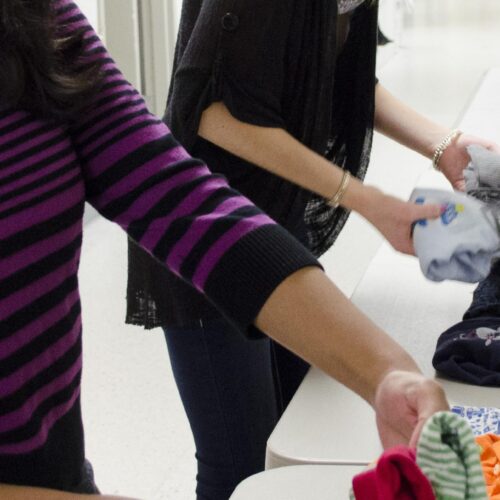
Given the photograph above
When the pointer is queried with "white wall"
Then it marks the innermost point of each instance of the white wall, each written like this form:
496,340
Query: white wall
177,9
91,9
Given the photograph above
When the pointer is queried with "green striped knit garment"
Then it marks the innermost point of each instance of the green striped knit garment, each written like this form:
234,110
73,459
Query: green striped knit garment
449,457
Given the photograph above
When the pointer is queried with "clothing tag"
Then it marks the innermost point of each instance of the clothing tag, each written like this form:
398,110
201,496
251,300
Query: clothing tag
482,420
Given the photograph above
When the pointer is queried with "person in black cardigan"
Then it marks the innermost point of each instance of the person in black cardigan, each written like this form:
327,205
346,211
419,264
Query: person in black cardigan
281,98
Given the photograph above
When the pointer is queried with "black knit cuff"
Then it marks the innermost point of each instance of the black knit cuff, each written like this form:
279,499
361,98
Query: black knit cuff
249,273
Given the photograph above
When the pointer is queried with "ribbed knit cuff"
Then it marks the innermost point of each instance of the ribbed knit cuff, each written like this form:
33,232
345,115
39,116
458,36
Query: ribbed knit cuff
249,273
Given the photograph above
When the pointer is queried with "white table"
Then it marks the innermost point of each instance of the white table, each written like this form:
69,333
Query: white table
311,482
326,423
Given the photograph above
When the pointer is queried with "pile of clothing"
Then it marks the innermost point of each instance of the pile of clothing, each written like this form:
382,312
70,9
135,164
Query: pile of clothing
449,463
464,245
458,454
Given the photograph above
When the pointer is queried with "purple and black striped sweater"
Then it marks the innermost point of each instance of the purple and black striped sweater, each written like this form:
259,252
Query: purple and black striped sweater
125,162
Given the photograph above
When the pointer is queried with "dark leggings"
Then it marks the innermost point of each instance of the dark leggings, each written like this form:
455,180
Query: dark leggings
234,390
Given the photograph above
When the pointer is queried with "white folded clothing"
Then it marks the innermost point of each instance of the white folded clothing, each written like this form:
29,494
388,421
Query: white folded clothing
462,243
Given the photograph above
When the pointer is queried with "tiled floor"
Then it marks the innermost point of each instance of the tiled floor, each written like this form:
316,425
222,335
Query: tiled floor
137,436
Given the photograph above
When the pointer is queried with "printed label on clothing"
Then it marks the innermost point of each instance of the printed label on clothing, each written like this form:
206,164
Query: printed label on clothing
450,212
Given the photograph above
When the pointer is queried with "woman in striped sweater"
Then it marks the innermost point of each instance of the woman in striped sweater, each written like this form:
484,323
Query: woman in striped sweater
73,130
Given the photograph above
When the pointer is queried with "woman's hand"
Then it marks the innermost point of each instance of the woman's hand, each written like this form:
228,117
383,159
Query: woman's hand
394,218
455,158
403,403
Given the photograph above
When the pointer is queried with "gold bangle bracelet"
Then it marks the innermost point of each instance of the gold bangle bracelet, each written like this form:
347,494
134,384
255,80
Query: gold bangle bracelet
334,202
443,146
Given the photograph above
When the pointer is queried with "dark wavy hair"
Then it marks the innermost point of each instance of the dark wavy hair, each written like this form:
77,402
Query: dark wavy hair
41,69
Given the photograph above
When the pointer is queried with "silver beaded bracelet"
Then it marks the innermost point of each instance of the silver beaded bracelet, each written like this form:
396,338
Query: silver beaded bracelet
443,146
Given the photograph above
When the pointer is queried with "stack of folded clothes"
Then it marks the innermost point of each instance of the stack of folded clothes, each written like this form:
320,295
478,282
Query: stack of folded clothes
469,351
445,466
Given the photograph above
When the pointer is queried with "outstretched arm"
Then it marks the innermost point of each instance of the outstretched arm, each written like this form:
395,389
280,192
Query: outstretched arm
275,150
402,123
309,315
10,492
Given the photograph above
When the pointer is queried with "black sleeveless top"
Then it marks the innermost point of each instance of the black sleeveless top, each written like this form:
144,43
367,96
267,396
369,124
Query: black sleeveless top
273,64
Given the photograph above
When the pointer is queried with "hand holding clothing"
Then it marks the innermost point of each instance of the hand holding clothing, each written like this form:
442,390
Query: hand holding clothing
456,158
394,218
403,403
354,351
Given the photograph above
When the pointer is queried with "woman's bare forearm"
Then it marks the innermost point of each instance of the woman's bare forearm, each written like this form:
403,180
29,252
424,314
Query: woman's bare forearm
400,122
10,492
310,316
307,313
276,151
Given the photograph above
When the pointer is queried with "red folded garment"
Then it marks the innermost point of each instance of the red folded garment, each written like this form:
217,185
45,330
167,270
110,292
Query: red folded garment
396,476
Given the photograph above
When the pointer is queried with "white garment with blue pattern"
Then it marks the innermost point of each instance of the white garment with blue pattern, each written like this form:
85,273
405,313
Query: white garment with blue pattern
462,243
482,420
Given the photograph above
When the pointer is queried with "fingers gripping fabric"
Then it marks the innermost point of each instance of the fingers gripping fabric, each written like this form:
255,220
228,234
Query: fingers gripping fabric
462,243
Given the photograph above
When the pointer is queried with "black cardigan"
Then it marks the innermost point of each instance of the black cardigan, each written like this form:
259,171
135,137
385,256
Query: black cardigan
273,63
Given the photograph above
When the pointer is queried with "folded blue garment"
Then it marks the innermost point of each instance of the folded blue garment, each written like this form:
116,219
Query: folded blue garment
462,243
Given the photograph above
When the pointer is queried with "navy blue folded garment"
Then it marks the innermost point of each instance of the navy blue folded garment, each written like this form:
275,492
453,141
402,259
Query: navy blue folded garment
486,299
470,352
